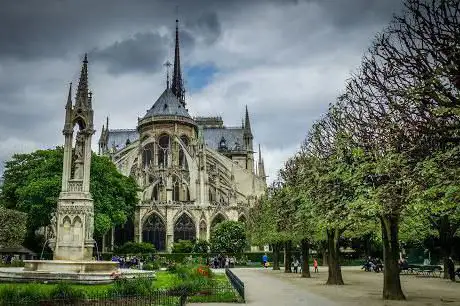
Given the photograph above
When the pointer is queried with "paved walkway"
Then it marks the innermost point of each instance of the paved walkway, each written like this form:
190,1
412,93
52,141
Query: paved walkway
261,288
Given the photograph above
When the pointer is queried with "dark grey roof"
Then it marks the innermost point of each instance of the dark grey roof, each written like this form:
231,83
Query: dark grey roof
232,136
117,138
167,105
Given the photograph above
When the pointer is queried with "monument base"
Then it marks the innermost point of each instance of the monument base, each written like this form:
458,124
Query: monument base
79,272
70,266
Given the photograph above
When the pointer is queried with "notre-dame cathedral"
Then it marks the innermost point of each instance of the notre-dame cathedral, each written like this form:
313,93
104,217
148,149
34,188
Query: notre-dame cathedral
192,172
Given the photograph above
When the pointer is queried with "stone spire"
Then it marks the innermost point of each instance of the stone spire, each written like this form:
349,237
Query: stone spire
69,97
82,97
177,82
261,166
247,124
247,136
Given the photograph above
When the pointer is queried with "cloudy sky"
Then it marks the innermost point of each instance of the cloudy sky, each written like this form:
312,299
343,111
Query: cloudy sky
286,60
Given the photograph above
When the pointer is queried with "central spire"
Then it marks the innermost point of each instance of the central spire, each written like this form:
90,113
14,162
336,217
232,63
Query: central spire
177,83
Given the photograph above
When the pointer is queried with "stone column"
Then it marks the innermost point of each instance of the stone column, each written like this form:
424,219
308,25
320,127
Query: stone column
67,161
137,226
87,163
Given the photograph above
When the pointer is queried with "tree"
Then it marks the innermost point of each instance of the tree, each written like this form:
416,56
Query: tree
33,182
12,227
229,237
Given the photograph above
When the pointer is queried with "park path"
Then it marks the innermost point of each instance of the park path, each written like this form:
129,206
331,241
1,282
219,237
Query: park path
261,288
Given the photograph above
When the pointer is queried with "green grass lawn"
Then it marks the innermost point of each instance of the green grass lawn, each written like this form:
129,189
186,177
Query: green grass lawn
221,291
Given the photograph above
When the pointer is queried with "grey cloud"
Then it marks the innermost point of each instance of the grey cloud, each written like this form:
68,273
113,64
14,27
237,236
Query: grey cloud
207,26
127,38
145,52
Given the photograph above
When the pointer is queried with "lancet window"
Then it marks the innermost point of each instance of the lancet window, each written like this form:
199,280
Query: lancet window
163,150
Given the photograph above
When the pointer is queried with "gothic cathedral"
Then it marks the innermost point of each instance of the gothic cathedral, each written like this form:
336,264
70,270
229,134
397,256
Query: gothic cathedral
192,173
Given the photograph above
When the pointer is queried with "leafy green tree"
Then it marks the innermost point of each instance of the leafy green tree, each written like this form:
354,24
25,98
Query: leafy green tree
33,183
435,197
229,237
12,227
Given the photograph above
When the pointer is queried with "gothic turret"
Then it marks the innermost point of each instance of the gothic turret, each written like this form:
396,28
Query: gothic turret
261,166
248,138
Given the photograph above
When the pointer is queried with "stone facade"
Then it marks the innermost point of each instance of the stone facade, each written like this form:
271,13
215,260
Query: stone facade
192,172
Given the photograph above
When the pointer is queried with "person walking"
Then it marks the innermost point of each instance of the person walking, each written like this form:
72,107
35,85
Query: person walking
315,265
296,266
264,260
451,269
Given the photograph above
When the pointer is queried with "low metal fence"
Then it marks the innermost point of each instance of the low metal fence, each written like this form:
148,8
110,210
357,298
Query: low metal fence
236,282
157,297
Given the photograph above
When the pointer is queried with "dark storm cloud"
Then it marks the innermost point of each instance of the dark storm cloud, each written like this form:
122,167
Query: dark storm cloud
41,43
358,13
145,52
208,26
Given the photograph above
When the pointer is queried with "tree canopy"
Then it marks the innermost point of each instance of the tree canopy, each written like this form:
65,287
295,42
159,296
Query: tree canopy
229,237
32,183
385,153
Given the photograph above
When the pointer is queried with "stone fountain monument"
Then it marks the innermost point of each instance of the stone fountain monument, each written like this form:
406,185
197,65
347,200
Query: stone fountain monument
73,223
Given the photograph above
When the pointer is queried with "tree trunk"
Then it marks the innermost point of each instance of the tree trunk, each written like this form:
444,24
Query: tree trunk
391,281
335,273
276,256
287,257
445,240
305,245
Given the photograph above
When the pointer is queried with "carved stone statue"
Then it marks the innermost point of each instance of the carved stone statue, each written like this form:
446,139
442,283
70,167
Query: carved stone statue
79,156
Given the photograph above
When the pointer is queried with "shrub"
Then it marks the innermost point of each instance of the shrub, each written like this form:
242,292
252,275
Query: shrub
28,295
65,291
131,287
136,248
182,246
152,265
201,246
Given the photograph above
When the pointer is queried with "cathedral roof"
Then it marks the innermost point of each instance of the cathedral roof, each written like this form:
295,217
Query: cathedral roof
167,105
233,136
117,138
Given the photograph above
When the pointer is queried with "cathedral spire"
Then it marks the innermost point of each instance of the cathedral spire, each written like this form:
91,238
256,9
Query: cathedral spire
69,97
82,91
247,124
177,82
261,166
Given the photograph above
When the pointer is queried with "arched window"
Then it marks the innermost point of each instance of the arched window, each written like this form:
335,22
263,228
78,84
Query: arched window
182,158
242,219
163,150
176,192
184,229
154,232
217,219
147,155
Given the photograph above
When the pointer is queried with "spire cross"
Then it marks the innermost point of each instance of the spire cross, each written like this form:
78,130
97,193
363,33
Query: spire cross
168,66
